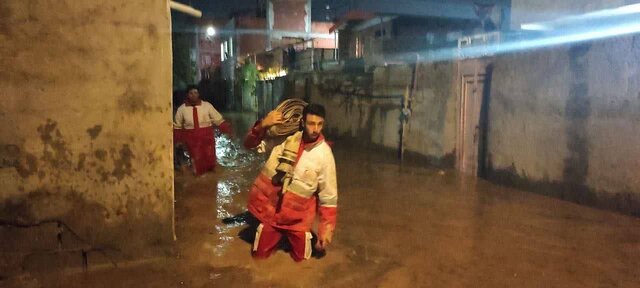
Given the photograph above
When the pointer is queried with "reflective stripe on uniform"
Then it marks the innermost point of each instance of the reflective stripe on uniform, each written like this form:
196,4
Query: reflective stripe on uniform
257,240
307,245
298,188
328,200
268,172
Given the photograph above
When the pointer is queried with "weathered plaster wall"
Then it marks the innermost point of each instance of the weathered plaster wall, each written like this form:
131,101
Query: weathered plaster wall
86,112
566,121
367,107
431,130
526,114
351,107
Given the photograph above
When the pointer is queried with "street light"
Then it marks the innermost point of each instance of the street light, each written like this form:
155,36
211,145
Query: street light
211,31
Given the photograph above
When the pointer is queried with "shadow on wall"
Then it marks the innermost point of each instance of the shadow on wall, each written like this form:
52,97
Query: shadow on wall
575,170
624,202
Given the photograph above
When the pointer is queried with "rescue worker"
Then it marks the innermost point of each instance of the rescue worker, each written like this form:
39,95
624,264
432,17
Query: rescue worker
193,126
297,182
274,128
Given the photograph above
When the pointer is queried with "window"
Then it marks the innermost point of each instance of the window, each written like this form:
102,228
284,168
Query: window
359,47
226,49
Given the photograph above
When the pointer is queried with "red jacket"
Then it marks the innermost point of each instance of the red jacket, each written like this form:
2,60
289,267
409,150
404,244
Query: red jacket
313,190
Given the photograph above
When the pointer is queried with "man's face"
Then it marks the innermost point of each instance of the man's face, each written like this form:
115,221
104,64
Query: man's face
312,127
193,95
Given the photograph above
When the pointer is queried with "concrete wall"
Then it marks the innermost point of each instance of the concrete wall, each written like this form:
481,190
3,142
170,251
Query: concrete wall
562,121
310,59
354,111
86,112
323,27
566,122
367,107
250,43
431,129
289,15
372,45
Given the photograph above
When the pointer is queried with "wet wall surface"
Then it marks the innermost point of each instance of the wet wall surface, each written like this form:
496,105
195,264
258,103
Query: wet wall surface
85,140
368,106
564,122
398,226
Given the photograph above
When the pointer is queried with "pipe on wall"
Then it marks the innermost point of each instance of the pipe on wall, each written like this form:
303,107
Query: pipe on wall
185,9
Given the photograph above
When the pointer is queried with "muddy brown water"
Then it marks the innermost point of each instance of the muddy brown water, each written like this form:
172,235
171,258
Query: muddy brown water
398,226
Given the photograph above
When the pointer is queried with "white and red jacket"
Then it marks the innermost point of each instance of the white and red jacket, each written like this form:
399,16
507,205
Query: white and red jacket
206,113
194,127
313,189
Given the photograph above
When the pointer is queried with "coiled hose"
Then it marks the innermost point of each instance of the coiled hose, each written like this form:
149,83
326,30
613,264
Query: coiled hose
291,110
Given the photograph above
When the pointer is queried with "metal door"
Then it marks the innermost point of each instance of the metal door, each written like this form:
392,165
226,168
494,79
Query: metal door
471,91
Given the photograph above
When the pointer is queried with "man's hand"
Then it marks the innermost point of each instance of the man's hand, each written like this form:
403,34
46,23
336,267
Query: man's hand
225,127
324,240
273,118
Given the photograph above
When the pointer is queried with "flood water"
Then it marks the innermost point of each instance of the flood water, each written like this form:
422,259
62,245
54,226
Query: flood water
412,226
398,226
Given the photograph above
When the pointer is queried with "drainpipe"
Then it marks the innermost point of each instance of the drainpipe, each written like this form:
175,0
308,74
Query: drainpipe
406,106
307,29
313,57
185,9
269,24
335,41
307,18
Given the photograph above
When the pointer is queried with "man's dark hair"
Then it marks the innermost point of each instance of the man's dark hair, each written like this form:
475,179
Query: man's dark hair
313,109
190,87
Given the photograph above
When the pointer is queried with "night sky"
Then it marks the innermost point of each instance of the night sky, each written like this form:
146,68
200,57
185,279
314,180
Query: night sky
223,8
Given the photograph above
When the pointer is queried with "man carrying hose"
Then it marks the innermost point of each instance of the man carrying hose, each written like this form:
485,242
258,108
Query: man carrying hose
297,182
283,121
256,136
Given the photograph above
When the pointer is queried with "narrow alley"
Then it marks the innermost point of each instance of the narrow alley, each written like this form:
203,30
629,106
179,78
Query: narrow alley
476,143
399,226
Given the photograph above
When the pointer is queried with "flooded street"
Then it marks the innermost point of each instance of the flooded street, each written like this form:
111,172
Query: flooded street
109,178
417,227
398,226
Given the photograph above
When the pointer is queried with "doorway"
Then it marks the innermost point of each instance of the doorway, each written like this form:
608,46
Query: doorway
473,90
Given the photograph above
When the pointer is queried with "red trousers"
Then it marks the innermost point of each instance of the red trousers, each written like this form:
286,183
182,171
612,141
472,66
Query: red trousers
268,237
201,145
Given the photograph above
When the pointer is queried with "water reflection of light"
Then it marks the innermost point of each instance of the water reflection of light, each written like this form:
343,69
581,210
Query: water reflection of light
224,239
231,154
227,189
